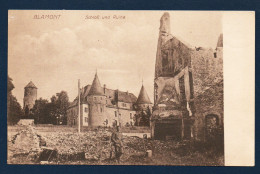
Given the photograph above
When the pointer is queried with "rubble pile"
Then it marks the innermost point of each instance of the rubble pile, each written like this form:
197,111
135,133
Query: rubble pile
25,143
26,140
88,147
94,144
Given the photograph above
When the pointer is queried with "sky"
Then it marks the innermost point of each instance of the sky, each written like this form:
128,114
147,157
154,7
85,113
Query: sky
55,53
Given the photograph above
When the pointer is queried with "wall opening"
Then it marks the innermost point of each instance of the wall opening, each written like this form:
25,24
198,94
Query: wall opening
211,125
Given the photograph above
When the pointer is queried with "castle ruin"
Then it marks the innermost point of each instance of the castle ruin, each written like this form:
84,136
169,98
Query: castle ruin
188,87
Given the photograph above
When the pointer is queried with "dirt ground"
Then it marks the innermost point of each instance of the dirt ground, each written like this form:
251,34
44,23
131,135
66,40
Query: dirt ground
92,147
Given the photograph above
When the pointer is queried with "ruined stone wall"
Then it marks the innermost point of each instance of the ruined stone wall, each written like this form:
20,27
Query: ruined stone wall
207,75
207,70
172,54
188,82
169,99
207,103
172,57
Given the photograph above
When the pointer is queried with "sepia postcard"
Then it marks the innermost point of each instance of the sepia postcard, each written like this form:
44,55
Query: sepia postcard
130,88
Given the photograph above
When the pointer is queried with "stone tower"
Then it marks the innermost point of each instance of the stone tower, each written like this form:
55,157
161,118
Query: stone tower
97,104
30,95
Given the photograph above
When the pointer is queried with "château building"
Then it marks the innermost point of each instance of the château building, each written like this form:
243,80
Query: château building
101,106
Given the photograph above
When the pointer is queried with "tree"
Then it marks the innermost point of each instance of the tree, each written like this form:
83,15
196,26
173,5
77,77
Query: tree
148,116
58,107
14,109
40,111
10,85
63,104
143,117
52,112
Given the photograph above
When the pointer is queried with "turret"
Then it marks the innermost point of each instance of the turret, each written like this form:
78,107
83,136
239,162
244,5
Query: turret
143,101
30,95
97,103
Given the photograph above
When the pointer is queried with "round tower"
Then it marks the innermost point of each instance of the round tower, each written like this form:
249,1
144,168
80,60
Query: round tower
97,104
30,95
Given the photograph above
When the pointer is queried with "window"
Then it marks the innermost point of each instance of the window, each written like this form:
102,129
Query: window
115,114
123,104
131,116
86,109
101,109
86,119
94,98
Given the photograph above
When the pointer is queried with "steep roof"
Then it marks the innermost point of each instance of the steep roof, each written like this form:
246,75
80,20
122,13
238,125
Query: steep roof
126,97
112,96
96,88
30,85
143,97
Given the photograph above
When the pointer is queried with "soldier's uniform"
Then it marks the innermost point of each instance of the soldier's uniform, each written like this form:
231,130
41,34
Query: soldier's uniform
116,140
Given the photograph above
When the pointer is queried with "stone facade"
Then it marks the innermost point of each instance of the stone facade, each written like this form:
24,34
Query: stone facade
188,87
207,72
72,113
30,96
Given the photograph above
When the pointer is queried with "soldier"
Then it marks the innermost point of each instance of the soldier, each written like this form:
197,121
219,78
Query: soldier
116,140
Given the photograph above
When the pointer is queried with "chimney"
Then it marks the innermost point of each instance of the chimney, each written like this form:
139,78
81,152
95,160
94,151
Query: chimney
104,88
